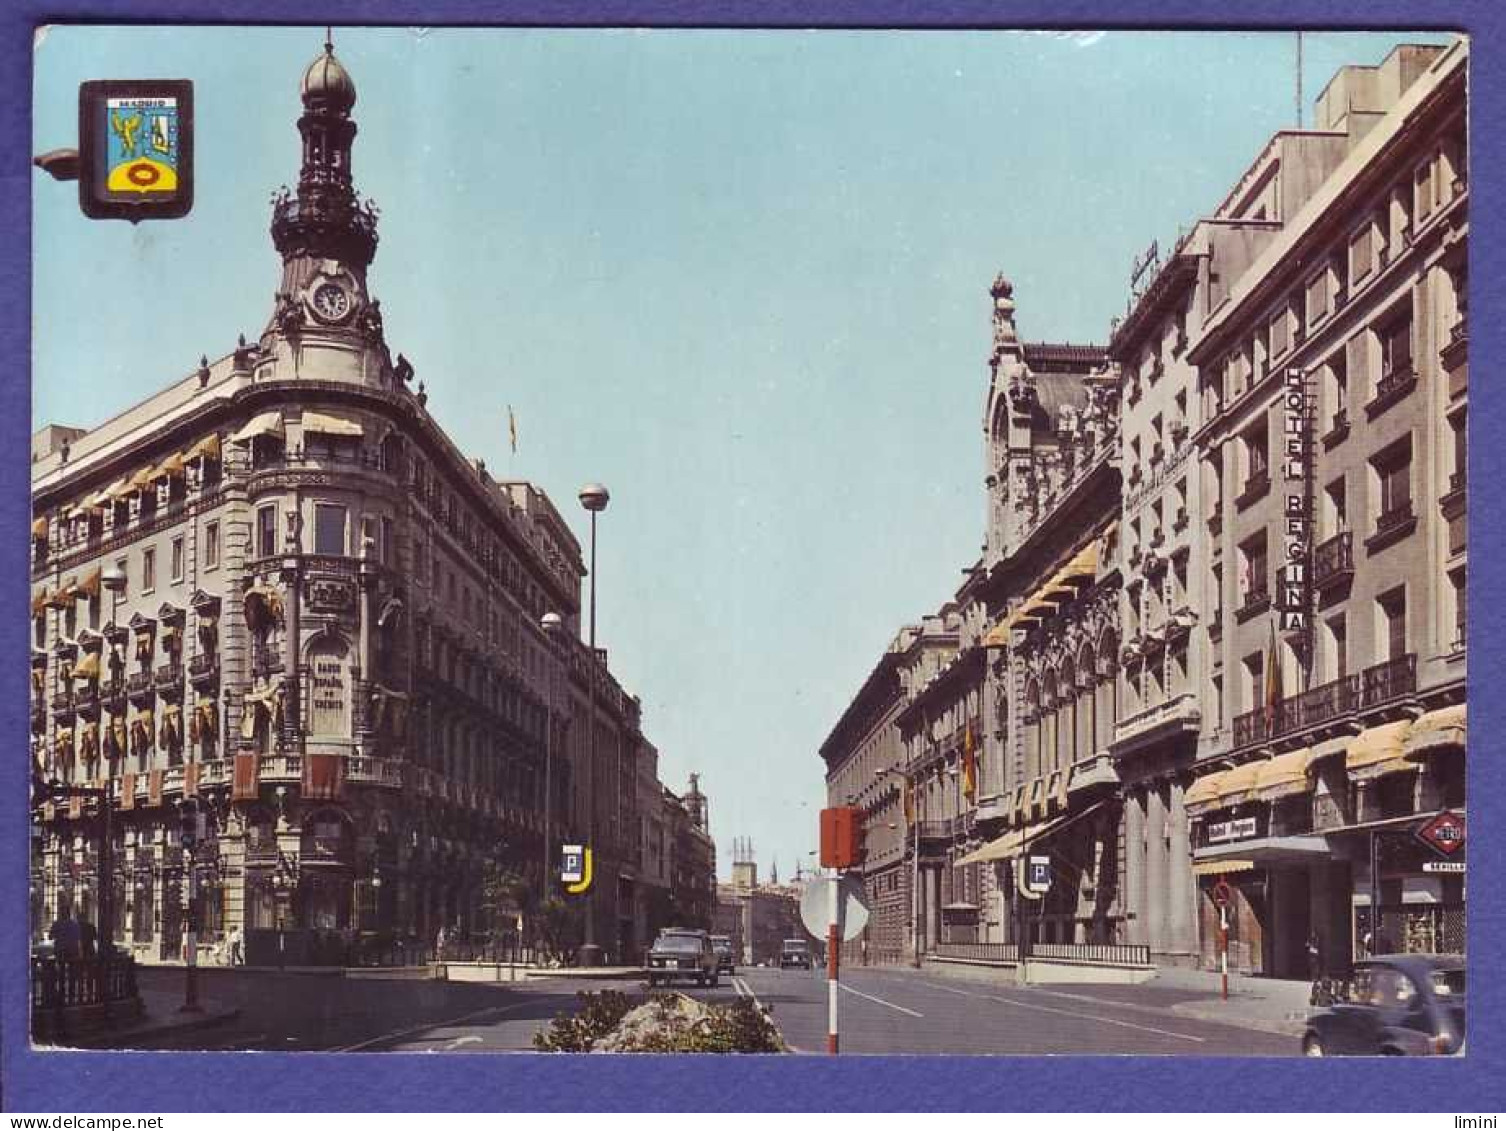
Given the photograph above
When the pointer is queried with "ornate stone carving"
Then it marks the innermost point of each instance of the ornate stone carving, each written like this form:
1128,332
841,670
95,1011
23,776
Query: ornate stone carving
331,595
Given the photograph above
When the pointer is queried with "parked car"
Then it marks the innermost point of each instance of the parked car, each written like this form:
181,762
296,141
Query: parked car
725,960
795,952
1397,1005
682,954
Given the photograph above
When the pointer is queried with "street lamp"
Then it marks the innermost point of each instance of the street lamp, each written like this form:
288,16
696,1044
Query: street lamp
594,497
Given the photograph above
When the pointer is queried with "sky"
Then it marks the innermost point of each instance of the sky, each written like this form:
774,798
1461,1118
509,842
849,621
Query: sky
741,278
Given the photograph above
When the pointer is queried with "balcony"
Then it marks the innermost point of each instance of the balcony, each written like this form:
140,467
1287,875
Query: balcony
1330,703
1172,719
1452,506
139,684
86,700
170,678
265,661
1392,526
1391,680
113,693
1338,429
1255,488
62,703
204,669
1333,560
1257,601
374,771
1216,518
1392,388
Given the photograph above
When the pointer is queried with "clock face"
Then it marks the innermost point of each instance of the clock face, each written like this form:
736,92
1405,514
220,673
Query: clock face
331,301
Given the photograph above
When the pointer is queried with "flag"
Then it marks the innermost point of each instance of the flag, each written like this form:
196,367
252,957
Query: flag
909,802
969,764
512,429
1273,677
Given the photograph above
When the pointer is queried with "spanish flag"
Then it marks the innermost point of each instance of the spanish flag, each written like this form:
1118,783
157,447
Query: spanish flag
969,764
909,802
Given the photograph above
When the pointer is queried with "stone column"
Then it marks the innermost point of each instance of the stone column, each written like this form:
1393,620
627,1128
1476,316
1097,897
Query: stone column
1157,875
1134,865
1183,937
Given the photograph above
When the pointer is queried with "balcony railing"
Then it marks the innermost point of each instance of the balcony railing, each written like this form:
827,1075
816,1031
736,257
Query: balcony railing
1256,487
1328,703
978,952
138,683
1256,601
169,676
1333,560
1391,388
1391,525
204,666
1390,680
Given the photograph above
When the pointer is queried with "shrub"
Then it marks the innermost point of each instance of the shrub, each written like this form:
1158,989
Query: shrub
597,1016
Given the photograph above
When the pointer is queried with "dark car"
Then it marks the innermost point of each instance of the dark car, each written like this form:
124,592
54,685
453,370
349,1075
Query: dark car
1397,1005
682,954
795,952
724,957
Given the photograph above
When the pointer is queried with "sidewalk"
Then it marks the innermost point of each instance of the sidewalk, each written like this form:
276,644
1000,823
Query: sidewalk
1270,1005
160,1015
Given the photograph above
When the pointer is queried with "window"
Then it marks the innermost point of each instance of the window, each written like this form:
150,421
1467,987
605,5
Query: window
177,558
1393,474
120,568
1393,618
1339,265
1254,666
1338,390
1356,367
1396,346
94,612
211,545
1422,190
1317,296
329,529
1336,506
1338,647
266,530
1360,253
1252,562
389,543
1217,687
1280,335
148,569
1461,598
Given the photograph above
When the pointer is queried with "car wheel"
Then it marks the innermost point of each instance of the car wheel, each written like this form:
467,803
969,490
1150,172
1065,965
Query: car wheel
1311,1046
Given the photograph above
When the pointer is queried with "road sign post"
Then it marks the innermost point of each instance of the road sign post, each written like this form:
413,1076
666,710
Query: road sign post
1222,893
832,908
833,961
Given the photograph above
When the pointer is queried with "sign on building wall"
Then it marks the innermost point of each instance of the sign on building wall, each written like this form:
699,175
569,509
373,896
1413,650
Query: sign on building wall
1239,829
1294,588
330,699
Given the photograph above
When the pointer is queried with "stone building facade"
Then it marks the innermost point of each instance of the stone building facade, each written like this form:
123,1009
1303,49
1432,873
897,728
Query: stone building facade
1173,672
278,588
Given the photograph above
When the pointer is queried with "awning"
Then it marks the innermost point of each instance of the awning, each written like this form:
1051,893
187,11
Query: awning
1202,794
83,510
1238,784
267,424
1442,729
1284,775
1015,841
88,667
1330,747
89,586
40,600
1222,867
326,425
141,480
1378,752
39,527
207,448
1084,564
171,466
117,490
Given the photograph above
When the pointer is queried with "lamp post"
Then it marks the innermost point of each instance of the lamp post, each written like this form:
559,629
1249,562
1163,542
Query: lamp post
594,497
551,623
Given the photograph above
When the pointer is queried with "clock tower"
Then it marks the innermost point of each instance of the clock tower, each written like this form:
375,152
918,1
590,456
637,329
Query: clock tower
324,323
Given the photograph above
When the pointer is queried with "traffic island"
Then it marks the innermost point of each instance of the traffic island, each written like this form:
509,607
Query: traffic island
614,1022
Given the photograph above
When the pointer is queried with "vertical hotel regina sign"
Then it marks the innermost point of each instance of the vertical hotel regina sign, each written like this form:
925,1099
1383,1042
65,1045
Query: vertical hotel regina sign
1294,597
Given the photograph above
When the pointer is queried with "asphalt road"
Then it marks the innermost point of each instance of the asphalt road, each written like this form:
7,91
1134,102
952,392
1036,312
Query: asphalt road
880,1010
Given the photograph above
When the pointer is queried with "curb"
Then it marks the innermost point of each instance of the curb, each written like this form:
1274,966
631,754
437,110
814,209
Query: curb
1291,1027
122,1038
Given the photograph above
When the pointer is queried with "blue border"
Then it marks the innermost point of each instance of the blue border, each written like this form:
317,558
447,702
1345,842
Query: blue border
125,1082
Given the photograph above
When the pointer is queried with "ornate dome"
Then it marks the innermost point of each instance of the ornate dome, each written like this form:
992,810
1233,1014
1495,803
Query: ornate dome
327,84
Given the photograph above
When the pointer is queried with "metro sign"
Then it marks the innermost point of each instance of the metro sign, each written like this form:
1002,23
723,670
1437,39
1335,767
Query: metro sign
1444,833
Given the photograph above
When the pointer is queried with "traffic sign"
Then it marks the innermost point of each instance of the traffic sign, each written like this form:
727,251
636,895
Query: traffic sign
815,907
1444,833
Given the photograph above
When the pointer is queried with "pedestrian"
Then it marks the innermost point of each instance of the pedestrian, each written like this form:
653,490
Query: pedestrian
1314,957
439,940
69,945
87,936
236,942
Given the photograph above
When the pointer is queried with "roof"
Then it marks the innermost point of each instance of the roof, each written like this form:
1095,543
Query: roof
1043,356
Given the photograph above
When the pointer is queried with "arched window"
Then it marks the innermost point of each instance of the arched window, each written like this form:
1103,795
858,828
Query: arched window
1070,738
1050,723
1089,742
1108,686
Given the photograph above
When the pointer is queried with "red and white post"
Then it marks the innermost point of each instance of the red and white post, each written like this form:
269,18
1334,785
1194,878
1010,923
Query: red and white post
833,961
1223,946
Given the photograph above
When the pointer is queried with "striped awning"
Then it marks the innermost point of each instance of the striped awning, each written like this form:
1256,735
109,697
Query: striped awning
326,424
267,424
40,600
1238,784
168,468
1443,729
1284,775
117,490
141,480
1202,794
88,667
1378,751
1221,867
1083,564
39,527
207,448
